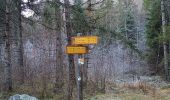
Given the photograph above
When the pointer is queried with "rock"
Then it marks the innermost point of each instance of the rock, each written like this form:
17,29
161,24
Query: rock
22,97
15,97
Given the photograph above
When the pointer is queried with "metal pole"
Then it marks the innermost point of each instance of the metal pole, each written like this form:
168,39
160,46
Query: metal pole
79,76
79,80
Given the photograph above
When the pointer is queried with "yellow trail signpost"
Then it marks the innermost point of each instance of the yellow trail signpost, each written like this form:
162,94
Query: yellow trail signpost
76,50
84,40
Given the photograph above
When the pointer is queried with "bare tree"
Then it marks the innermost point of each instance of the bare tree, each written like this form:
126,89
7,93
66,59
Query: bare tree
8,77
59,60
71,67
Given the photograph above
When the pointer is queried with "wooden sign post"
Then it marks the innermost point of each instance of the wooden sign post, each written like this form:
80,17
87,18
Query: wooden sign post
79,78
77,48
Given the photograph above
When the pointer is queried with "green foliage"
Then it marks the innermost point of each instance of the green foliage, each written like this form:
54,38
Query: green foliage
161,38
121,37
48,14
153,31
2,16
80,24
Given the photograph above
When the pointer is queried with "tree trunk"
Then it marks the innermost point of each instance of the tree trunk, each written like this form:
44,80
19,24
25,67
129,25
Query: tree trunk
8,79
20,46
164,43
15,32
86,56
59,59
71,67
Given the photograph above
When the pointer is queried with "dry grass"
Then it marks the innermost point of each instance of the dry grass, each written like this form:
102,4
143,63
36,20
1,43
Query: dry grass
135,91
140,86
126,91
129,96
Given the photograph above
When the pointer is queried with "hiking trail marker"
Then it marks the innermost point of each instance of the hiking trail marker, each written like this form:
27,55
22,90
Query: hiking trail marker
81,61
84,40
76,50
79,46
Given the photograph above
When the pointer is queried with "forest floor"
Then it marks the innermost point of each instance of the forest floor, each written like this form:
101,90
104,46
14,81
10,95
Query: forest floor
148,88
162,94
151,88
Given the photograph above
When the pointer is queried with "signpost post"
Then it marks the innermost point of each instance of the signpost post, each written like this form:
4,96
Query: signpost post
79,78
78,48
79,75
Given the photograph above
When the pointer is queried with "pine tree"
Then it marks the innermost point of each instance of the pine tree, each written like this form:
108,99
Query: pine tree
156,30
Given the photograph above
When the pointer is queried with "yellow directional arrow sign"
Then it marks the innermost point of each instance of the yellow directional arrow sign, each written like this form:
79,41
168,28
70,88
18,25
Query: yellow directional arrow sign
84,40
76,50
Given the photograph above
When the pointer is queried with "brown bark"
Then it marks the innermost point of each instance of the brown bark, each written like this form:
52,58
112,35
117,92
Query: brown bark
59,58
164,43
71,67
8,77
20,46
